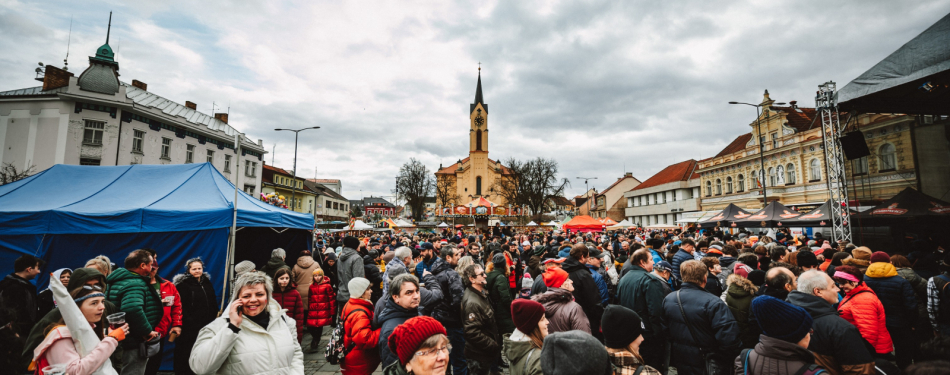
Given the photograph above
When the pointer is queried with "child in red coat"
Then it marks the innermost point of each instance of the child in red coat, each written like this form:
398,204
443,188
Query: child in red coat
285,293
322,301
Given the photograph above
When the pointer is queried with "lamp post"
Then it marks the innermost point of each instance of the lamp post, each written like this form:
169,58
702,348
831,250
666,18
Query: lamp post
294,185
587,190
758,130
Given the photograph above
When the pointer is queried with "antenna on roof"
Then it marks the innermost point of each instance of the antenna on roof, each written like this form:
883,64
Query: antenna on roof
213,105
109,30
69,39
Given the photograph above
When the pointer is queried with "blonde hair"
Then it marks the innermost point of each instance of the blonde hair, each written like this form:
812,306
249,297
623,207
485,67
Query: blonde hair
101,263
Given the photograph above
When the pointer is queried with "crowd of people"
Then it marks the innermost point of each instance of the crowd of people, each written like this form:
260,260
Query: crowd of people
634,301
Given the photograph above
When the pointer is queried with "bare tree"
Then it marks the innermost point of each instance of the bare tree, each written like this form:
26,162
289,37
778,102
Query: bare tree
446,193
531,183
9,173
355,211
414,184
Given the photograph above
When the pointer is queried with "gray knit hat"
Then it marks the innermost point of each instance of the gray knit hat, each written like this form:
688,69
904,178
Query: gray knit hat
243,267
357,286
574,353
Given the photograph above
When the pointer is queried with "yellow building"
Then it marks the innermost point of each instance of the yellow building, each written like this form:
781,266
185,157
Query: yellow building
794,161
477,175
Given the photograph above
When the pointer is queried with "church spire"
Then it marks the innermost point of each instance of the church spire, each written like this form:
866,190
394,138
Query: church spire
478,93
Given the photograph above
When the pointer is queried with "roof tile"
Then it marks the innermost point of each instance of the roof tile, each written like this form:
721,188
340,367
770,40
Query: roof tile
682,171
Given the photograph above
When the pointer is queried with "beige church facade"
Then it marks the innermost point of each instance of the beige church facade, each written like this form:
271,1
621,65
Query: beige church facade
477,175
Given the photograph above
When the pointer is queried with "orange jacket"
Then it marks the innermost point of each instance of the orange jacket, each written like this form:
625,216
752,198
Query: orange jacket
364,358
862,308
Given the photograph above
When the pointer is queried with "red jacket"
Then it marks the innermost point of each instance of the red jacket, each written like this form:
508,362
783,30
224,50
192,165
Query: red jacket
322,304
862,308
291,301
364,358
172,314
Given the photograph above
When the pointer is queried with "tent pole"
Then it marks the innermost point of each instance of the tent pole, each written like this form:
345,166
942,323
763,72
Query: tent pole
230,257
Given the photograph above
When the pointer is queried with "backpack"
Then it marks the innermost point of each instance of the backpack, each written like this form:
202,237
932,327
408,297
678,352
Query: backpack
807,369
336,351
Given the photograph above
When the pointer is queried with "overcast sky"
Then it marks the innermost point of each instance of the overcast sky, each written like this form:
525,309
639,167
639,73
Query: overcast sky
602,87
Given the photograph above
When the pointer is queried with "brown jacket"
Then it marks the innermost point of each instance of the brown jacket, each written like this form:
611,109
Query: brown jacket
482,341
563,313
303,276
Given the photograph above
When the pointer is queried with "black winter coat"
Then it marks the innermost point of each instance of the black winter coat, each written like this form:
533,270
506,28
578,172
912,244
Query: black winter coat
18,294
391,316
448,310
832,338
895,293
198,303
371,271
713,285
585,292
712,321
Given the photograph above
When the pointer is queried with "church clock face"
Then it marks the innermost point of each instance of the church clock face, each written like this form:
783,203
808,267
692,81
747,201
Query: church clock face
479,121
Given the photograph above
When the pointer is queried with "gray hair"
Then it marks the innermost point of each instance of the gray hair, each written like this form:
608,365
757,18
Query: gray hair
250,279
469,273
810,280
447,251
395,271
403,252
395,286
464,262
278,252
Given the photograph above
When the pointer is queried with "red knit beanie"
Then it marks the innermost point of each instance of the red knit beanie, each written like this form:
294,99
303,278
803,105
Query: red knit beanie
880,256
554,277
526,314
406,338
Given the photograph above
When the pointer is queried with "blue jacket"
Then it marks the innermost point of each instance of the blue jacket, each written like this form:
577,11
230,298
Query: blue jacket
656,256
601,285
424,266
678,258
712,321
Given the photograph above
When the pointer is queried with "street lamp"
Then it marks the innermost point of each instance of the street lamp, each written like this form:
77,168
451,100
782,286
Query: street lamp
587,190
761,176
294,185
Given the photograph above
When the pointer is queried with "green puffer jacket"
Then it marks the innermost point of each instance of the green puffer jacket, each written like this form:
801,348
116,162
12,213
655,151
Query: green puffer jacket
500,296
739,298
131,294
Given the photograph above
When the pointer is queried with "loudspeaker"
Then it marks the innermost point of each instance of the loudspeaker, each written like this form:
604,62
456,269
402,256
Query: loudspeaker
854,146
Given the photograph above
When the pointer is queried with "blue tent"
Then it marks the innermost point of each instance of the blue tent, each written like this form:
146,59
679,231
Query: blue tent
68,214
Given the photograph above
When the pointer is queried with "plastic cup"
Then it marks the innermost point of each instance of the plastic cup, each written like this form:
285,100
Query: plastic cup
116,320
54,370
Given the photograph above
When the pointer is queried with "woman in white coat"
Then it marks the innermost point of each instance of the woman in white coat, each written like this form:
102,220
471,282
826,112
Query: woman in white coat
255,337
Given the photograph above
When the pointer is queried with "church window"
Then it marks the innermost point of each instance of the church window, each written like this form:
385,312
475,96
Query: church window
478,185
478,141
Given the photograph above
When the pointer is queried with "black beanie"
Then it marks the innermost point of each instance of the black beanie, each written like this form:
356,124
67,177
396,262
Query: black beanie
351,242
620,326
574,353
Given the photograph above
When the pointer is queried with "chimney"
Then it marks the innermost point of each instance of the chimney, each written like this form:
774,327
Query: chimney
628,174
222,116
794,104
260,142
140,84
55,78
191,105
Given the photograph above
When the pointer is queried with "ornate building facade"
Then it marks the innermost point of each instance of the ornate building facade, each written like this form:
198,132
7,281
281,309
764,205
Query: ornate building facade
476,175
793,161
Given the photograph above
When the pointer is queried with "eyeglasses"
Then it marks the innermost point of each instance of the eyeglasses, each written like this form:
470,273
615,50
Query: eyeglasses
92,287
481,274
434,351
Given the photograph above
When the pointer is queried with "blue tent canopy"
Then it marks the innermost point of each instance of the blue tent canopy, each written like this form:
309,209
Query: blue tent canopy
70,199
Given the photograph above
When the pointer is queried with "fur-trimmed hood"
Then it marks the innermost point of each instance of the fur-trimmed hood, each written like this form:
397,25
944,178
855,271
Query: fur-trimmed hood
742,283
554,295
179,278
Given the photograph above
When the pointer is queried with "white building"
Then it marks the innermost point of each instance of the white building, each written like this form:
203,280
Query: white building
663,198
95,119
331,183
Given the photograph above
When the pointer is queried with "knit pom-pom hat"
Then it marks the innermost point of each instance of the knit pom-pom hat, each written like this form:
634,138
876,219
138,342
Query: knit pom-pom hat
406,338
781,320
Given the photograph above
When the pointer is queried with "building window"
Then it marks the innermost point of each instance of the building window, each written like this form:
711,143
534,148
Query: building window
888,158
250,168
728,185
249,189
774,141
478,185
92,135
718,187
815,170
771,177
740,184
210,157
85,161
708,188
189,154
860,166
138,139
166,148
790,173
227,163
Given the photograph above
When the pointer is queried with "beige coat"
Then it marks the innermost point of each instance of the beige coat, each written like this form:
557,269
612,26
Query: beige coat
303,276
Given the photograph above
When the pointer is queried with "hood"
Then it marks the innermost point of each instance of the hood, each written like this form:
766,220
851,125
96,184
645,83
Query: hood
860,288
83,275
533,262
391,310
439,266
181,277
553,299
276,262
571,264
367,260
775,348
123,274
815,306
518,346
347,254
305,261
740,287
726,262
881,270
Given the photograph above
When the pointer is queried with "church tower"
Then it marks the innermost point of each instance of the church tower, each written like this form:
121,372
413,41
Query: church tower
478,121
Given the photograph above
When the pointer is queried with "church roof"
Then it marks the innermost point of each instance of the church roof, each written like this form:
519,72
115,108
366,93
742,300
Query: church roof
452,168
478,95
